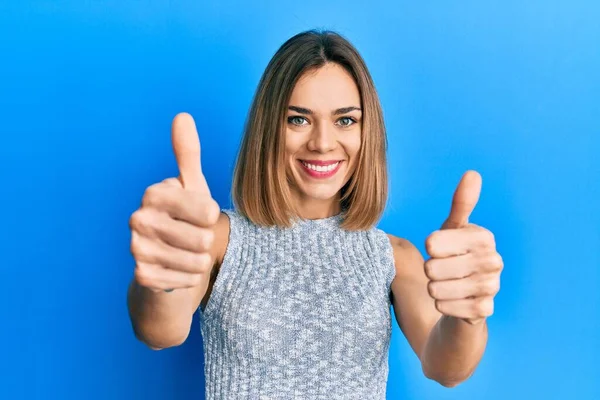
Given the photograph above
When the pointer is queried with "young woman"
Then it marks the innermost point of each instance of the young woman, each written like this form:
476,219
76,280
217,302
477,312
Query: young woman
295,287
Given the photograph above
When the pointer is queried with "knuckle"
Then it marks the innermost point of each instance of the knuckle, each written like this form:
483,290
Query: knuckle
158,195
439,306
140,221
216,212
477,307
496,286
196,279
481,286
430,268
482,307
197,262
490,307
486,307
142,277
142,249
152,196
488,238
204,262
206,240
212,212
490,287
433,290
134,220
478,285
172,182
497,261
430,242
137,246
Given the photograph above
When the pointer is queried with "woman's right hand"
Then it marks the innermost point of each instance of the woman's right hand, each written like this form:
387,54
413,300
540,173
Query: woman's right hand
172,232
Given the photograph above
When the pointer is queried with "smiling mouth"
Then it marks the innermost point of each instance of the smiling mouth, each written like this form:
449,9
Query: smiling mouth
321,169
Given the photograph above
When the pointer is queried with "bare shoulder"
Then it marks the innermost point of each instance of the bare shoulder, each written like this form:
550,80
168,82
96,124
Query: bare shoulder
221,238
409,264
414,309
407,257
218,249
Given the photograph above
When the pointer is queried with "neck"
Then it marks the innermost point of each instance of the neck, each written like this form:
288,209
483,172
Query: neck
318,209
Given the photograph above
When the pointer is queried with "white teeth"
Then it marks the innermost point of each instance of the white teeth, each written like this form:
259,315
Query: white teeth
321,168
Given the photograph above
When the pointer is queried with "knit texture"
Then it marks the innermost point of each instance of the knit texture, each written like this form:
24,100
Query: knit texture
299,313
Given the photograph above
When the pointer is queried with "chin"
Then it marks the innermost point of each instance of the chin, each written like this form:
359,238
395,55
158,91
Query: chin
323,193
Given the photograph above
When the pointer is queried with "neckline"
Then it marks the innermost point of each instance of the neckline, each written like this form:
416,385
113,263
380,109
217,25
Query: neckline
333,220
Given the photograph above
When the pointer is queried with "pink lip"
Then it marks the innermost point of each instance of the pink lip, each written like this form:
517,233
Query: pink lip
320,174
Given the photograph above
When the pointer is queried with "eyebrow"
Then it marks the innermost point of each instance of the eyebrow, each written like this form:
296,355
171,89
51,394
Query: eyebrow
343,110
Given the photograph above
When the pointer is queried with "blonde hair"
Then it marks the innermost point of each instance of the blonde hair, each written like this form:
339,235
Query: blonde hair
260,187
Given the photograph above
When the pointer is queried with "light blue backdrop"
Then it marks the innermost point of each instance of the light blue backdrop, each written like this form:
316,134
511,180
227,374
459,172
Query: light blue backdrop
87,93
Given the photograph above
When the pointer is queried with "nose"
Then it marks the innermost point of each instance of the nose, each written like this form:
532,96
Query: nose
322,138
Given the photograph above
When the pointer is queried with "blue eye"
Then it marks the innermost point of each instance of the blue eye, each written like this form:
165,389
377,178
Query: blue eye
296,120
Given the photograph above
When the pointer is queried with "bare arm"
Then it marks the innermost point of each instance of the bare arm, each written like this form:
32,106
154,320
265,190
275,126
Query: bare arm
178,236
449,348
163,319
453,350
442,303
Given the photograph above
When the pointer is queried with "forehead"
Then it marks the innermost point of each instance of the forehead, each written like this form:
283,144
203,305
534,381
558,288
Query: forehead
327,88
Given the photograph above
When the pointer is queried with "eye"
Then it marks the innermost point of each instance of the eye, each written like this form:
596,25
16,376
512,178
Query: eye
297,120
346,121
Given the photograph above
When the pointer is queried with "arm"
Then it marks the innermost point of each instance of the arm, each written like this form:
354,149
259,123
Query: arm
163,319
178,237
442,304
449,348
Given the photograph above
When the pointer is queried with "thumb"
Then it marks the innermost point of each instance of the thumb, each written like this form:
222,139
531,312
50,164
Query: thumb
464,201
186,146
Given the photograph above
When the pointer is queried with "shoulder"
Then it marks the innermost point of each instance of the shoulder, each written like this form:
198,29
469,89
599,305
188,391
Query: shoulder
221,237
407,257
231,228
218,248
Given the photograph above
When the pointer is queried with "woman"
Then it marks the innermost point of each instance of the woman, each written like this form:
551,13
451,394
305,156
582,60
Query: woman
295,286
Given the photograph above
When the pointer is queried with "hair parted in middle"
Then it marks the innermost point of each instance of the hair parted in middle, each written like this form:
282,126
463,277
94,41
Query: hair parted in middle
261,189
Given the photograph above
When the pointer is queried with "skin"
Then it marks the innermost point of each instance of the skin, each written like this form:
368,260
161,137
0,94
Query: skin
440,304
441,301
316,130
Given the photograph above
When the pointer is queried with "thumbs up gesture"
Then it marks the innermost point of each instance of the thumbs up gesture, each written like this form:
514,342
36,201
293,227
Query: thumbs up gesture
171,235
464,268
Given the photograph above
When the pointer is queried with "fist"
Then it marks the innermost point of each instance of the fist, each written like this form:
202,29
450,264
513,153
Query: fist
464,268
171,233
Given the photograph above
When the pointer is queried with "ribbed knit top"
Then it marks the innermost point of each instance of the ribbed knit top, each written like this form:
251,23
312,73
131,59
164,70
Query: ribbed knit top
299,313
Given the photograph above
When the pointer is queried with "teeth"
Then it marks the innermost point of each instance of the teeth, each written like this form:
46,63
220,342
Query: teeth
321,168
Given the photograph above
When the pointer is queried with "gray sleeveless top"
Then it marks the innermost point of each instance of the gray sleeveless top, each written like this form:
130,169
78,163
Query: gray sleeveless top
299,313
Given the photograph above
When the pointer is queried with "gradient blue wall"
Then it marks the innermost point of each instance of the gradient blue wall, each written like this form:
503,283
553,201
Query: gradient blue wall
87,93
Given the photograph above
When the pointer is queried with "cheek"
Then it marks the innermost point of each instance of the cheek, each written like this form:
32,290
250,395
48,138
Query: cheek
352,144
292,144
352,147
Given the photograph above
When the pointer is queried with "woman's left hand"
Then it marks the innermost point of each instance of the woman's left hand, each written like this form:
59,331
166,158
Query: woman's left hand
464,268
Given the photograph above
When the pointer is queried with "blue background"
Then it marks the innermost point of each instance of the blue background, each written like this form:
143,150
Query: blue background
87,93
